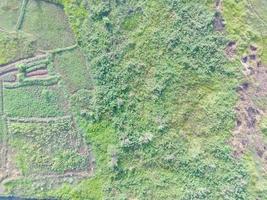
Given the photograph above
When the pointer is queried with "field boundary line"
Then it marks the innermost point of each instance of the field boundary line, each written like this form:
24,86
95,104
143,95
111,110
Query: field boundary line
21,14
38,119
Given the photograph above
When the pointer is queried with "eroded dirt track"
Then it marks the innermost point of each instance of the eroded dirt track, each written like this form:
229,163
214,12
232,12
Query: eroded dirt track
247,134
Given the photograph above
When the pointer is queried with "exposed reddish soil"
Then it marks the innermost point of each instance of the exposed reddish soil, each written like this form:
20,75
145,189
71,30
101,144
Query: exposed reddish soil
37,73
8,71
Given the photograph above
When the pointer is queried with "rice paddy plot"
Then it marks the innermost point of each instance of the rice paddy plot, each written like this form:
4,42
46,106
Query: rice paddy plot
40,66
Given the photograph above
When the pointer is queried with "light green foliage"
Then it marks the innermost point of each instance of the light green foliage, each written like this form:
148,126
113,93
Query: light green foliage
258,21
2,134
263,126
258,177
35,101
246,23
46,81
22,14
101,136
258,16
90,189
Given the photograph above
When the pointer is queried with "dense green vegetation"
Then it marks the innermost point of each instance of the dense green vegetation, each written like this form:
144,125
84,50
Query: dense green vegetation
164,83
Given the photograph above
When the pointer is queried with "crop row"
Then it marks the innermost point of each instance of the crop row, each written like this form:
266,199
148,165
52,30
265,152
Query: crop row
46,81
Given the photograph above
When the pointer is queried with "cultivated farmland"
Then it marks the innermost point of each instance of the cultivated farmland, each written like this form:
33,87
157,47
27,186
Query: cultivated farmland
41,143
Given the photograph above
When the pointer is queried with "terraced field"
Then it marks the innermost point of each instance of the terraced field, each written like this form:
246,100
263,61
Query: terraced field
41,144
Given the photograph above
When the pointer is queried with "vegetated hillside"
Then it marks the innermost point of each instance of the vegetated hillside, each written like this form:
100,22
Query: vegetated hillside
160,112
162,78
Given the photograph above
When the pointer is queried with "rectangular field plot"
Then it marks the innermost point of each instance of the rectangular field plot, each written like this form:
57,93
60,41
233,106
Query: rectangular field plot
49,24
47,146
35,101
9,13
